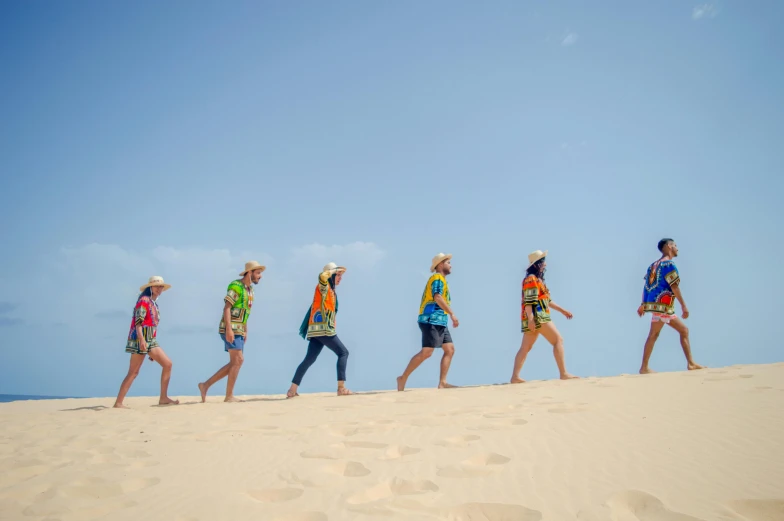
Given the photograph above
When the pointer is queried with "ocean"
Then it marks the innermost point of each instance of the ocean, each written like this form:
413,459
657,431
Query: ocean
18,397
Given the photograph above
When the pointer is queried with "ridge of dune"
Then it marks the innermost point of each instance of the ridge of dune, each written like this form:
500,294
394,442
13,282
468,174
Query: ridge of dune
684,446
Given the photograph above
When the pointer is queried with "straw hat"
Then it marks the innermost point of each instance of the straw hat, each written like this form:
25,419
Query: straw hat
332,267
155,281
252,266
438,259
535,256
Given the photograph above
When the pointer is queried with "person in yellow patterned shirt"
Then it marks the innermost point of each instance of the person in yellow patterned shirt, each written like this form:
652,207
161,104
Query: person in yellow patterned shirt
434,309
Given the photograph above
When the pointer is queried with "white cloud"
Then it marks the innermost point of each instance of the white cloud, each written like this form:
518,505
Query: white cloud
363,255
704,11
569,39
99,280
96,285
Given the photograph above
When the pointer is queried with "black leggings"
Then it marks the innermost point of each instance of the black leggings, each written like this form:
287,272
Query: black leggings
314,349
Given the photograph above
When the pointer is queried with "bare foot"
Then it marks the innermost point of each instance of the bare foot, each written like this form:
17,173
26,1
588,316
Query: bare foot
232,399
120,406
203,390
342,391
401,383
516,380
567,376
291,394
693,367
445,385
645,370
168,401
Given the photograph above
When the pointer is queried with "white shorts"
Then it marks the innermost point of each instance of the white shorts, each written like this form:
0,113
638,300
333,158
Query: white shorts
661,317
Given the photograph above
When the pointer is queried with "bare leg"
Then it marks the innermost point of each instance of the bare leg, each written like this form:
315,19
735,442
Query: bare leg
125,386
160,356
205,386
415,362
550,332
236,358
292,392
683,330
446,361
529,339
653,335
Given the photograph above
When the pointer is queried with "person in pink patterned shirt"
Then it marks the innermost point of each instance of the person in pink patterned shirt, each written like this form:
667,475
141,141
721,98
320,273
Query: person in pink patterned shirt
142,341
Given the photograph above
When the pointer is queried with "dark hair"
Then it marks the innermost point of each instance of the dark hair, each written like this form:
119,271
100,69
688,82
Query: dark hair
146,293
537,269
663,243
332,281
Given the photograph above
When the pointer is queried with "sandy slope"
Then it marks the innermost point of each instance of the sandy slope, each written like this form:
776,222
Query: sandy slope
678,446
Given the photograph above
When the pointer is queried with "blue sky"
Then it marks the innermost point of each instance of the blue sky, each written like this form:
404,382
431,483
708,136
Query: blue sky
182,139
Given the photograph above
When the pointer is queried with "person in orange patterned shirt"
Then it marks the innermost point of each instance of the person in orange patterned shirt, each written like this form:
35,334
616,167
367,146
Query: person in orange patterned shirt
535,317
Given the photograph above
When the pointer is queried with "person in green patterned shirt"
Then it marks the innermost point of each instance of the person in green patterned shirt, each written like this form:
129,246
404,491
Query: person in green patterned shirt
236,310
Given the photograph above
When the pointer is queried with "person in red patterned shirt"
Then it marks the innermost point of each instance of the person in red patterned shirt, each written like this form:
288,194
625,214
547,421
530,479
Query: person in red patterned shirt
142,341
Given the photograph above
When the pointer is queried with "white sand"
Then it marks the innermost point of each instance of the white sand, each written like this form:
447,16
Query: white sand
678,446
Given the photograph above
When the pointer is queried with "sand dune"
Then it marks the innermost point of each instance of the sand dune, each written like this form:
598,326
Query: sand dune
705,446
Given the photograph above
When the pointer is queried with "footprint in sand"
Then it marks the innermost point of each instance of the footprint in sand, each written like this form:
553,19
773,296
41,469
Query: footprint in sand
398,451
321,454
276,495
490,512
725,378
567,409
458,441
759,509
364,445
428,422
293,479
303,516
633,505
349,469
479,465
391,488
494,415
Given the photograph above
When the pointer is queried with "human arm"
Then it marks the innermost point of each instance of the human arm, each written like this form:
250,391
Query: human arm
140,314
561,310
676,290
529,314
140,337
227,322
441,301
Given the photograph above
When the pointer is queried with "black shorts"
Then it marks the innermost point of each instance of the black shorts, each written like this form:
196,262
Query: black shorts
434,336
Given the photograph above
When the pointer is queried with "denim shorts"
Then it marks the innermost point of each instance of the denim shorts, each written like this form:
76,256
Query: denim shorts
239,343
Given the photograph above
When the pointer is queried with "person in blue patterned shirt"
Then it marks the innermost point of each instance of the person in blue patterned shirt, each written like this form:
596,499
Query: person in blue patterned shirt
661,289
434,309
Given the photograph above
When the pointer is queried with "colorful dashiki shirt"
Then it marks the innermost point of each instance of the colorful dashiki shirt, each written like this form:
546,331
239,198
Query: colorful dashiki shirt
429,311
146,315
323,311
241,300
657,296
536,295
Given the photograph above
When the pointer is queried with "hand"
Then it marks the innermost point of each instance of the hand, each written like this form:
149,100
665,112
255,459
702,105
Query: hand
455,321
229,336
685,312
142,345
640,310
567,314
